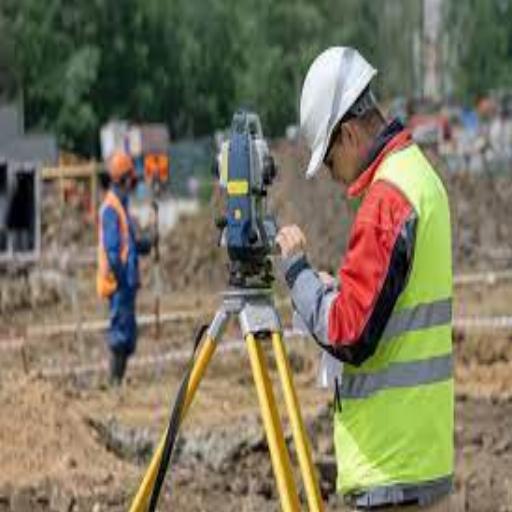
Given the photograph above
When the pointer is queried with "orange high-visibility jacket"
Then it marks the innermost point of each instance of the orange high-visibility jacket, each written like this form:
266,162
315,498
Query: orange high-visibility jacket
106,283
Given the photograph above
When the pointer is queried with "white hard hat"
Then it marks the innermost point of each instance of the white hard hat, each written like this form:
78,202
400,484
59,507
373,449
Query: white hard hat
335,80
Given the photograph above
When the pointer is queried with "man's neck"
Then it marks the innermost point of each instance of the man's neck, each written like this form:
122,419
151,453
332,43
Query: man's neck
372,131
381,137
375,128
120,193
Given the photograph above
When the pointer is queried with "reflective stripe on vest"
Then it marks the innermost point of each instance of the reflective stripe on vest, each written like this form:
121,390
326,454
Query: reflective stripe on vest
424,494
397,375
419,317
395,428
405,374
106,283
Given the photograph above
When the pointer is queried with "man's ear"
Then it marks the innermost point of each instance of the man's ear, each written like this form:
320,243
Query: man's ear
351,134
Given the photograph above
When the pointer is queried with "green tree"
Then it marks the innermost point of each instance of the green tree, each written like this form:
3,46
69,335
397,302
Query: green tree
7,74
480,33
191,63
56,66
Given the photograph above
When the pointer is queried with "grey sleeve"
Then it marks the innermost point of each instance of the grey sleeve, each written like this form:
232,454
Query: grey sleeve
310,296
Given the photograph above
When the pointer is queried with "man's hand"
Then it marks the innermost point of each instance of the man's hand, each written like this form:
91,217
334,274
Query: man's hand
327,278
291,240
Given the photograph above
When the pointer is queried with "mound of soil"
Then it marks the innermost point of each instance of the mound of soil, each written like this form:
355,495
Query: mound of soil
43,434
191,256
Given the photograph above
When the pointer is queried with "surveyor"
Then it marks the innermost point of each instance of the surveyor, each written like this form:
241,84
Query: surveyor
387,317
118,266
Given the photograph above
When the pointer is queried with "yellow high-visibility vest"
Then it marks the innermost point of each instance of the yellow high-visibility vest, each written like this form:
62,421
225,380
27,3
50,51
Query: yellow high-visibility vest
396,426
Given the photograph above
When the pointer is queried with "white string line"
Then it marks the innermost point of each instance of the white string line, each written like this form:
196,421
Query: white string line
487,277
98,325
181,355
475,322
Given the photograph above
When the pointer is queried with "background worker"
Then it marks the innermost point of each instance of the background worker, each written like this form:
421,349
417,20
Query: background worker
389,320
118,265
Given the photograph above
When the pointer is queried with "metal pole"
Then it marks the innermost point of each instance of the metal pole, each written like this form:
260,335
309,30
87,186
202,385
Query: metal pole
156,264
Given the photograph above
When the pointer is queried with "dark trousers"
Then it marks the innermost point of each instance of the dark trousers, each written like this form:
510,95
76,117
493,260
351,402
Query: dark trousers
122,334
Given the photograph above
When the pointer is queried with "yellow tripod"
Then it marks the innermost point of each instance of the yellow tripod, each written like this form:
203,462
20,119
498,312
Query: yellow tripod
258,320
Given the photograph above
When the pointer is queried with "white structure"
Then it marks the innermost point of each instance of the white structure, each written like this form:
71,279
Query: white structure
432,48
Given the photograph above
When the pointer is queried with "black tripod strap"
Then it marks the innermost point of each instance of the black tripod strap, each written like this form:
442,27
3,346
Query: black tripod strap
174,423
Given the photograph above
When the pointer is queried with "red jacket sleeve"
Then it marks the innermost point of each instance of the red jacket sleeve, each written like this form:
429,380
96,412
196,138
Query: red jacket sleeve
374,270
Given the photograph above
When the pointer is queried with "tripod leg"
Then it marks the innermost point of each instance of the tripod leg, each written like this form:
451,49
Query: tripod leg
140,502
299,432
278,451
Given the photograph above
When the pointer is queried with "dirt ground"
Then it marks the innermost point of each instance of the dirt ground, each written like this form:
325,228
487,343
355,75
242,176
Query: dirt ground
69,442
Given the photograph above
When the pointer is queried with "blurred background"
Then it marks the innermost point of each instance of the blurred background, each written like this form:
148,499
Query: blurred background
159,78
